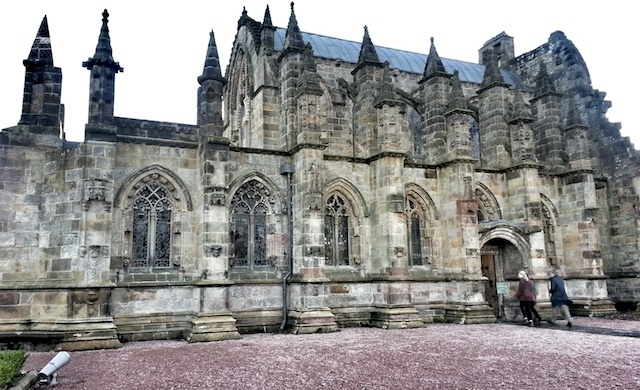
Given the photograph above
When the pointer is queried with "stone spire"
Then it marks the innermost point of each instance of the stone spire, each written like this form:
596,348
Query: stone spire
492,75
434,92
41,106
268,30
293,37
457,101
211,70
266,21
41,54
521,111
367,75
102,82
433,65
104,54
210,91
309,79
368,54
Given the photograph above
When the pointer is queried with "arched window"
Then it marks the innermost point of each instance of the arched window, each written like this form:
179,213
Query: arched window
337,217
249,211
151,234
488,208
414,229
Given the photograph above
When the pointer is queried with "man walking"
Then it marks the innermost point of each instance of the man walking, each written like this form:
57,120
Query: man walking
559,298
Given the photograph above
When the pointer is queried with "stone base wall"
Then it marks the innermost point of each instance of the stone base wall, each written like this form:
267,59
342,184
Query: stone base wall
626,291
153,326
208,311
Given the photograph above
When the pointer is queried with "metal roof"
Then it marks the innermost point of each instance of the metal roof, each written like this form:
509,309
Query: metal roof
348,51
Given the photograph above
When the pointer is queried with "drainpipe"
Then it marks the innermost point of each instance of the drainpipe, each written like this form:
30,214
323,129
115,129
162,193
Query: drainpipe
287,169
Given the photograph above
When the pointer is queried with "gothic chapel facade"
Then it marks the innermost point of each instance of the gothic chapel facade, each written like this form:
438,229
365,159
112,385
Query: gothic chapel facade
340,184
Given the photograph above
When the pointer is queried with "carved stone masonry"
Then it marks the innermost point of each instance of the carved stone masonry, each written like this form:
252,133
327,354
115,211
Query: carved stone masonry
97,190
213,250
215,196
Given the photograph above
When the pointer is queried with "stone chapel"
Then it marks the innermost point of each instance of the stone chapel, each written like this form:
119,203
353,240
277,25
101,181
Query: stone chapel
326,183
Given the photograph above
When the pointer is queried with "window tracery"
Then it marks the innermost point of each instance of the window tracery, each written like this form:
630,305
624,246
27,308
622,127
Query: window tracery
414,228
337,230
151,233
249,210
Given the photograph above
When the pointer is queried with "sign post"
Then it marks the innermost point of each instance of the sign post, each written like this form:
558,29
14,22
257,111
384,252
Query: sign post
502,290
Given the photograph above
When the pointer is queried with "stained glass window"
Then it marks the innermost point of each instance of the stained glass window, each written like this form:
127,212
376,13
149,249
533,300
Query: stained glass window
152,216
249,225
336,231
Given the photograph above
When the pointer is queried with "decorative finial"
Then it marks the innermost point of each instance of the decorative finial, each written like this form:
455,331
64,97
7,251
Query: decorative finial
292,6
105,15
431,39
244,10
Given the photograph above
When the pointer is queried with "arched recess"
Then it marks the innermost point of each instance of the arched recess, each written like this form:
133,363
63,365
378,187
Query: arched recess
256,229
488,207
151,203
512,235
325,108
474,138
552,239
238,97
344,209
421,215
417,138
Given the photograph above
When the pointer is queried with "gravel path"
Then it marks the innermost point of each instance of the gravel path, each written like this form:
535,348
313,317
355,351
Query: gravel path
439,356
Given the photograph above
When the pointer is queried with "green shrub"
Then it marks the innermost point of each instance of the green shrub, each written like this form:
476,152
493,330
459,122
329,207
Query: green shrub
10,364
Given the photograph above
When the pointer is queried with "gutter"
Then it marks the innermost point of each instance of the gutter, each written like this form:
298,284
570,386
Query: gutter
287,169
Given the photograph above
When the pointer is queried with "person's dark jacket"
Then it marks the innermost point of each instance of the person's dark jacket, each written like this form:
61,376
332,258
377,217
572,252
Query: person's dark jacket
558,292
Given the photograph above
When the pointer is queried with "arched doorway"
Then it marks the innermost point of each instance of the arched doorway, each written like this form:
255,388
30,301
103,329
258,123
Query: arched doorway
500,261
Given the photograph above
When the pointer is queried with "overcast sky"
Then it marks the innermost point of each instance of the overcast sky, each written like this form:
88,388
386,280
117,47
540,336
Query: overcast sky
162,45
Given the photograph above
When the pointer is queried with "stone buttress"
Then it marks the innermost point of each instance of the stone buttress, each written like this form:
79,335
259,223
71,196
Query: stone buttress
213,320
300,96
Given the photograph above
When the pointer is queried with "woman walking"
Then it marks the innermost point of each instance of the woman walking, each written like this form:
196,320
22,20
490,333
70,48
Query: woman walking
525,294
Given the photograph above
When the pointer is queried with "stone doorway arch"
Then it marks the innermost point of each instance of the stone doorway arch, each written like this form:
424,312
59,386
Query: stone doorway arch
503,252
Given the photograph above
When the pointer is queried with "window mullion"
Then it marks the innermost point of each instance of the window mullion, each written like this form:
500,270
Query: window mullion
336,241
151,242
250,244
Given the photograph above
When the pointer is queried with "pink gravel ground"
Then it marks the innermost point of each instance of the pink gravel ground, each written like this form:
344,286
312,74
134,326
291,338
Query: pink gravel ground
439,356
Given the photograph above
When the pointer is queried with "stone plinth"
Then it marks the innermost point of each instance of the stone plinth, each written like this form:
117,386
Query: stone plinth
213,327
396,317
85,334
317,320
470,314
